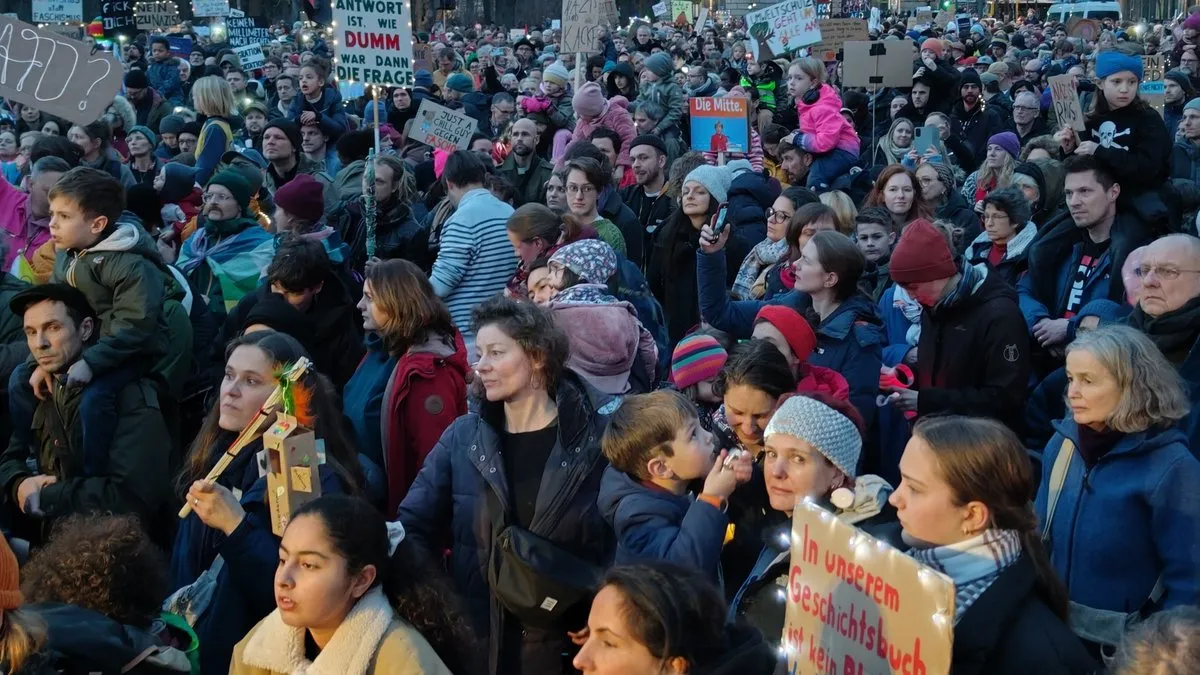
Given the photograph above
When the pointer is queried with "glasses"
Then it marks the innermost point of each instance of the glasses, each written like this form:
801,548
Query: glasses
1162,272
581,189
774,215
216,197
1025,108
509,111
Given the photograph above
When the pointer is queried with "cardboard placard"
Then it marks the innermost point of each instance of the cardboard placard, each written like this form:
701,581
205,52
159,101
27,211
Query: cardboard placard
1086,29
924,17
877,64
293,469
857,605
155,15
117,16
581,27
681,11
422,59
660,9
210,7
835,33
242,31
720,124
55,74
180,46
943,19
57,11
1153,87
609,11
701,19
64,30
516,34
374,41
250,56
1067,110
782,28
442,127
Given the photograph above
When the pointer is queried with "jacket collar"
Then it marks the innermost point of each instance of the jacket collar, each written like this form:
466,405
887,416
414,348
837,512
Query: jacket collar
979,631
1135,443
850,312
1016,247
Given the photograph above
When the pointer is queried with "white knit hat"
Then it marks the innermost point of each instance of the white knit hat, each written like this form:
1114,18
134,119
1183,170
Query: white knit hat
827,430
715,179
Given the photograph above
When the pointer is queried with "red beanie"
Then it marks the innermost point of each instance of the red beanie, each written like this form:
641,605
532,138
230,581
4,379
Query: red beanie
795,328
303,197
921,255
934,45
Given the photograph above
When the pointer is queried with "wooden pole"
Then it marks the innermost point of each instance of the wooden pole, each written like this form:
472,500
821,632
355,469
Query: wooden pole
580,64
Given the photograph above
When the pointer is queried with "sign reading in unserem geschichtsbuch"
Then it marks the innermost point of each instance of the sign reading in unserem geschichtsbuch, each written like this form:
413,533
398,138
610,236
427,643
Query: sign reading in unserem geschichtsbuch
374,42
442,127
720,124
782,28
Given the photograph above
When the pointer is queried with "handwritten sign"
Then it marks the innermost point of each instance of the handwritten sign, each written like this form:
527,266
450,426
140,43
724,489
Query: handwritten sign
782,28
374,39
681,11
581,26
943,19
210,7
835,33
57,11
156,14
117,16
515,35
857,605
1153,87
1085,29
421,60
250,56
442,127
720,124
242,31
660,9
1065,99
924,17
55,74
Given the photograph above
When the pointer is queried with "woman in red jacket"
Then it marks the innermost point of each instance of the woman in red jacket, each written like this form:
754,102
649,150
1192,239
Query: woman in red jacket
411,384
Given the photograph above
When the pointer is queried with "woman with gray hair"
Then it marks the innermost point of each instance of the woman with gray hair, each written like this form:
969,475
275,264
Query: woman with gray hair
1117,501
1008,230
1168,642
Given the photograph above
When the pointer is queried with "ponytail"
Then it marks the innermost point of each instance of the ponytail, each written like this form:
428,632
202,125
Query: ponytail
1049,587
572,229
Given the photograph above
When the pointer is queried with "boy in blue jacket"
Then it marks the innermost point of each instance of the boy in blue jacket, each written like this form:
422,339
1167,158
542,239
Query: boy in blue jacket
163,71
318,104
656,446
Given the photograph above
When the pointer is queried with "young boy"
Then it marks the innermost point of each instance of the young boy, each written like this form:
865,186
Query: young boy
163,71
655,447
875,236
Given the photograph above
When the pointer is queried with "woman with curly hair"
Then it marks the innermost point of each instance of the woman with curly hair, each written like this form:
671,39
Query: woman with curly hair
354,597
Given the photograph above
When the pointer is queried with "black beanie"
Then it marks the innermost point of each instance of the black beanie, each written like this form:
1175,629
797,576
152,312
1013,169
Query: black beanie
970,76
136,79
650,140
290,130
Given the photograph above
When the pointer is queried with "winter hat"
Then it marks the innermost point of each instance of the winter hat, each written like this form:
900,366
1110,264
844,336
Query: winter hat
179,181
424,79
592,260
715,179
659,64
1007,140
1112,62
990,82
236,184
171,124
970,76
556,73
1185,83
984,61
289,129
145,131
795,328
828,431
999,69
274,311
945,174
10,578
461,83
922,254
650,140
696,358
738,167
934,45
302,197
136,79
1193,104
1192,22
589,101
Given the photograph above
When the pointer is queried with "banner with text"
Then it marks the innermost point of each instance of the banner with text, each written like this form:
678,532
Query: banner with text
857,605
442,127
250,56
1067,111
242,31
580,26
835,33
117,16
720,124
156,15
374,42
57,11
210,7
782,28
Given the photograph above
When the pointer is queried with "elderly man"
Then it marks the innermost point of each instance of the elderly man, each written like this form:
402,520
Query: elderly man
1027,117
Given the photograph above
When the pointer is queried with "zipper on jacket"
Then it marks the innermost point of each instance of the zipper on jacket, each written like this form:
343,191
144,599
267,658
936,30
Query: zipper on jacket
1087,474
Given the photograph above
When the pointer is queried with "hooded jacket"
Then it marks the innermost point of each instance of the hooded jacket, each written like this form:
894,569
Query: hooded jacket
956,210
328,108
164,79
711,84
397,233
616,118
1015,260
609,347
822,125
81,640
977,126
22,237
625,70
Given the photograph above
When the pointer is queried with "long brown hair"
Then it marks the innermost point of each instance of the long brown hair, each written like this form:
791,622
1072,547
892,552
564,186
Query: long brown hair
414,312
534,221
982,460
920,207
22,635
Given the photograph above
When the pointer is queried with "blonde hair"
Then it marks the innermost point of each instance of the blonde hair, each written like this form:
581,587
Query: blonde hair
844,211
21,636
814,69
212,96
1151,392
1003,176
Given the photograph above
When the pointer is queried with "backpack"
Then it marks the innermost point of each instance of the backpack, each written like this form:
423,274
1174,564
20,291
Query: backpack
630,285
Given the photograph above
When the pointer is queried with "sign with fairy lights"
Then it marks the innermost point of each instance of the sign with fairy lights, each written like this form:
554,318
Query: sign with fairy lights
156,15
857,605
57,11
374,42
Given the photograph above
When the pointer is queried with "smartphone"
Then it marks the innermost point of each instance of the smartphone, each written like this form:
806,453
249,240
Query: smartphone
719,220
924,138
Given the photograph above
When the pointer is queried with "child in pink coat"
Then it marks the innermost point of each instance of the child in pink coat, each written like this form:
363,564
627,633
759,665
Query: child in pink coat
593,109
823,133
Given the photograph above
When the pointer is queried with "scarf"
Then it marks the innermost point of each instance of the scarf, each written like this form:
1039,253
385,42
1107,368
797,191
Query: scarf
911,309
972,564
896,154
982,190
585,294
764,254
1173,333
971,277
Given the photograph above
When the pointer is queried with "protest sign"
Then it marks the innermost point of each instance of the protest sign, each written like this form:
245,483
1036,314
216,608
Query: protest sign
857,605
421,57
64,30
555,24
156,15
681,11
374,40
924,17
1067,110
442,127
236,13
516,34
720,124
117,16
210,7
242,31
943,19
1085,29
835,33
782,28
701,19
581,26
609,12
875,65
964,24
180,46
1153,87
64,79
57,11
250,56
660,9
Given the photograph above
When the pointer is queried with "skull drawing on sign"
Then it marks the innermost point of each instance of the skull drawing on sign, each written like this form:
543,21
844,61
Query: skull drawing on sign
1107,132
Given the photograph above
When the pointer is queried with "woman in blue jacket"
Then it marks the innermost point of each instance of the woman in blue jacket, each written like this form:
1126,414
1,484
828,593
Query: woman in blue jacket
1118,502
224,559
528,462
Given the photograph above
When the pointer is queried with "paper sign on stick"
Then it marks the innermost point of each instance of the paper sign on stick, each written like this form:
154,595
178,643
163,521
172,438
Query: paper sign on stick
701,19
876,65
156,15
857,605
442,127
581,26
782,28
1067,110
117,16
835,33
660,9
720,124
57,11
374,41
210,7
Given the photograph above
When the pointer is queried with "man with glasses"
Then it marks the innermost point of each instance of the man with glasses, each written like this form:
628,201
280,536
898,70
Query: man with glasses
1033,72
1027,117
503,107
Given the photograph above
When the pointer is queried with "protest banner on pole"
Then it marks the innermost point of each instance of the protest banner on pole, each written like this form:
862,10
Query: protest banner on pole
1153,87
374,41
681,11
720,124
857,605
210,7
879,64
250,56
156,15
835,33
782,28
59,76
421,57
1067,111
57,11
242,31
117,16
701,19
442,127
580,26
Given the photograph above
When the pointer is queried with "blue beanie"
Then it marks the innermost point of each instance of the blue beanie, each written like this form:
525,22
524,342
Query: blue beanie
1111,62
1193,104
460,83
423,78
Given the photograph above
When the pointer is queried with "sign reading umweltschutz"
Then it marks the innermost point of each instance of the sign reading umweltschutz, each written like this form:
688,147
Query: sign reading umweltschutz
374,42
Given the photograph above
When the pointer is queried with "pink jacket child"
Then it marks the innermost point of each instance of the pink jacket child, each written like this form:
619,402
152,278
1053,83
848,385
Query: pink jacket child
826,135
593,110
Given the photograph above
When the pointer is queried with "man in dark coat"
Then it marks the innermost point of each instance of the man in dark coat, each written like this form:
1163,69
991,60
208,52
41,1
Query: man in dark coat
976,123
527,172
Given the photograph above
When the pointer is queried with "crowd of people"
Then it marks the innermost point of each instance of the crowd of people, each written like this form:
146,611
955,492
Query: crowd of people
569,384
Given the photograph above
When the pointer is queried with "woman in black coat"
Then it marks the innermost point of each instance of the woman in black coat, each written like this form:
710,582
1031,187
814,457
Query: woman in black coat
973,521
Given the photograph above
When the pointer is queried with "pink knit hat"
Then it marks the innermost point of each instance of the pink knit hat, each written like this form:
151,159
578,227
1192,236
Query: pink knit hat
589,101
439,162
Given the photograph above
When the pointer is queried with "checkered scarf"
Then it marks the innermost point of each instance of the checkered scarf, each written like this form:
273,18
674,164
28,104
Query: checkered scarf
972,564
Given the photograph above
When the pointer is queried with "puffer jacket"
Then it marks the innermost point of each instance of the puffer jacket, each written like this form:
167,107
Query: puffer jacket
463,477
164,79
822,125
616,118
